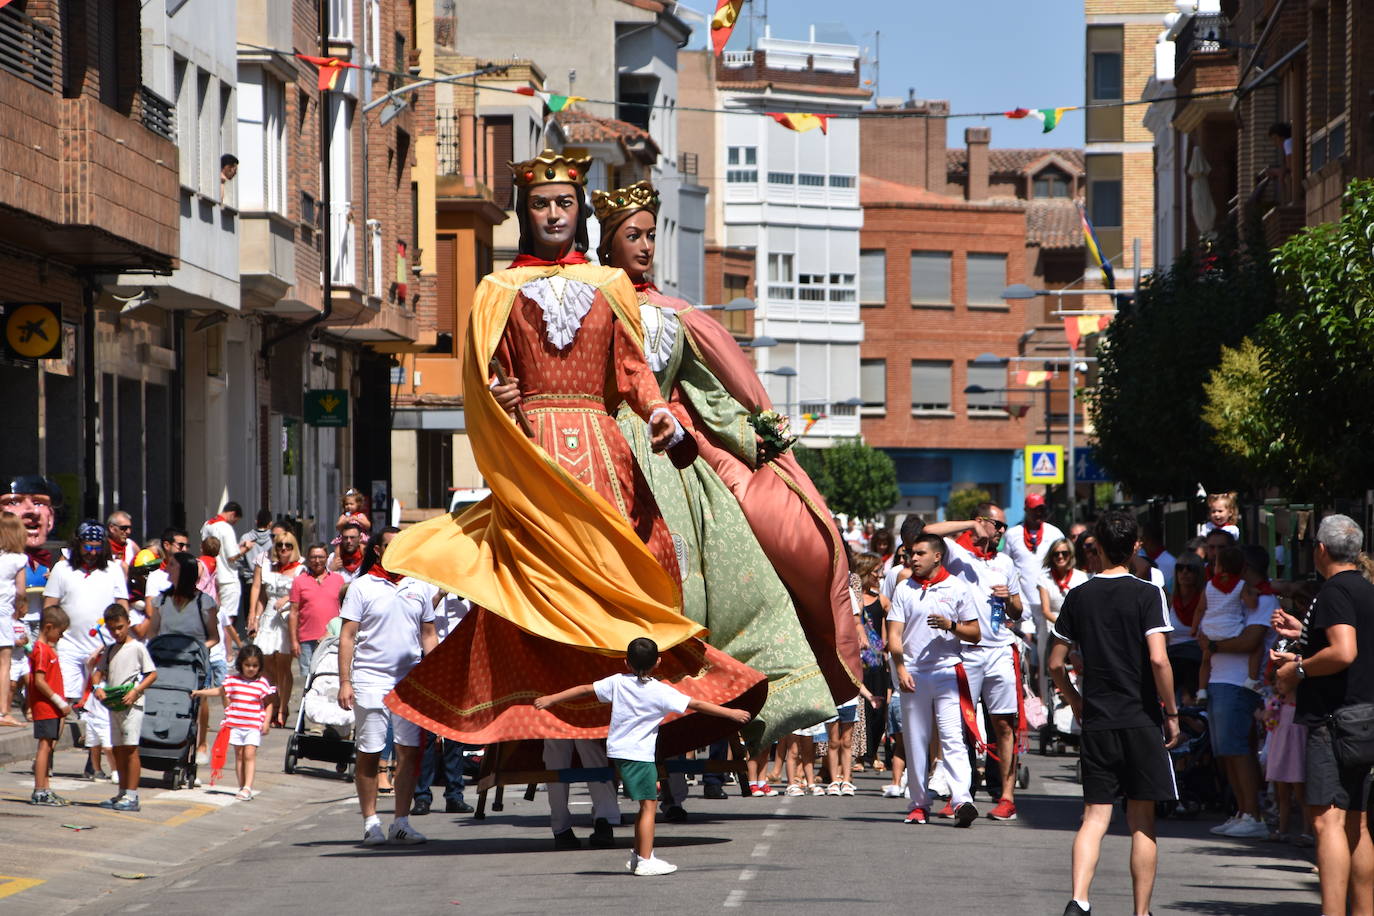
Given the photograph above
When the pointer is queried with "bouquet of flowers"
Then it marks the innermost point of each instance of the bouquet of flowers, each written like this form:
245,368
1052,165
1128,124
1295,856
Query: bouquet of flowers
774,432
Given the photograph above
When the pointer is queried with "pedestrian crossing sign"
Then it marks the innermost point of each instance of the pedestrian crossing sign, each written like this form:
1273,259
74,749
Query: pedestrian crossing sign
1044,464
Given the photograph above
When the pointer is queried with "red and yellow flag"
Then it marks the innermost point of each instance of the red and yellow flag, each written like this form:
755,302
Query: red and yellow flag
800,121
1076,327
1032,378
811,420
330,68
723,23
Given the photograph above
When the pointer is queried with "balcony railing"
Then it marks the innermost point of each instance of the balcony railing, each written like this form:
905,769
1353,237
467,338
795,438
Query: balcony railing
26,49
343,271
159,115
1204,34
447,146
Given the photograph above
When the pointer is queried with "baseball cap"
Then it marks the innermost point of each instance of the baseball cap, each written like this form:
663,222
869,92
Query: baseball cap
1035,500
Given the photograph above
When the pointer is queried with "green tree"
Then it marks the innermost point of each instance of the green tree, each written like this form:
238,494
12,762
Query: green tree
862,480
963,504
1239,410
812,462
1155,358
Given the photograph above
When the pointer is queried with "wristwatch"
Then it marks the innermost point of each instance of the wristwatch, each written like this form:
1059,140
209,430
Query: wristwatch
1302,673
1211,647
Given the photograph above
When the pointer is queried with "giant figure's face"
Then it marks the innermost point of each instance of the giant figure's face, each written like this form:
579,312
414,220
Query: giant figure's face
632,244
35,510
553,215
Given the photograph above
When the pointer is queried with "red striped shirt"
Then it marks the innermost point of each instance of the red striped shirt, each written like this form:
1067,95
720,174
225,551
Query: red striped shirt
245,701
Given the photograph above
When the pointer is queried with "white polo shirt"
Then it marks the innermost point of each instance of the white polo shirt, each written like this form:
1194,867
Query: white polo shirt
981,575
84,595
1030,562
389,615
924,648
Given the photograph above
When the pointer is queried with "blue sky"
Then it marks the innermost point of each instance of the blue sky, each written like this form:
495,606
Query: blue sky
981,55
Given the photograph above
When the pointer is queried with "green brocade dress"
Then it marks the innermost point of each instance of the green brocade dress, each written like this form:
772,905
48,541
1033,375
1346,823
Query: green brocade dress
728,583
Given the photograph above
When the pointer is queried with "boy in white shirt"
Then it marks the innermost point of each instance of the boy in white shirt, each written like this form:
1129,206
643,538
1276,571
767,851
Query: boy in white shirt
930,613
638,706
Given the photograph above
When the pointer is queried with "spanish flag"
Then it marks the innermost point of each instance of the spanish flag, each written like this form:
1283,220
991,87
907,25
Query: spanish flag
723,23
1076,327
330,68
1032,379
799,121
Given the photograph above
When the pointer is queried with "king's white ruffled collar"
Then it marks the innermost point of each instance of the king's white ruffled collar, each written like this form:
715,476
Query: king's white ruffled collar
564,303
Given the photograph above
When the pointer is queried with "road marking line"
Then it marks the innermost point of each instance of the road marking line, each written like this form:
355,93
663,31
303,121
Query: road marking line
760,850
748,874
271,843
771,830
10,885
734,899
189,815
186,883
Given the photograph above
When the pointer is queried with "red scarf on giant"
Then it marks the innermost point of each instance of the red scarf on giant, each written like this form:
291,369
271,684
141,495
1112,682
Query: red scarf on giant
966,541
529,260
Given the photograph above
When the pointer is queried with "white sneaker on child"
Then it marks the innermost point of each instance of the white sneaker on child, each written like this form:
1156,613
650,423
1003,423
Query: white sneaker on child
653,866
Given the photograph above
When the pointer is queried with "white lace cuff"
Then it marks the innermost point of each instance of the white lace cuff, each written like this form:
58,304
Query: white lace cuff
678,432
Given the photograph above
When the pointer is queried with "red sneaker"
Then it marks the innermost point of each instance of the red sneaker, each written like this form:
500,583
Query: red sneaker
1005,810
915,816
946,811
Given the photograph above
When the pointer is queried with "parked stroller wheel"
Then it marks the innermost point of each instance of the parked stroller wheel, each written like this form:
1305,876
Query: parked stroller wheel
1023,777
172,778
291,747
347,771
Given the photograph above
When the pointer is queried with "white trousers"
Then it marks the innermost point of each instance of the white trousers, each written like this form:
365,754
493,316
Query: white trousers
933,708
558,756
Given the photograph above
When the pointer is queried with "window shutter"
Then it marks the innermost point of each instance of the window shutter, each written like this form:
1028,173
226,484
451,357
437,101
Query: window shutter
873,276
502,131
987,278
930,284
930,384
446,318
873,382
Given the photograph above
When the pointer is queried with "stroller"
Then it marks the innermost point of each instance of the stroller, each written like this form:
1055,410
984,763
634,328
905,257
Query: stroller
168,741
1195,769
324,729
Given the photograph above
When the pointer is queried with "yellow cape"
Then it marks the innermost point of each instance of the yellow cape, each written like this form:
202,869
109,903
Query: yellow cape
544,551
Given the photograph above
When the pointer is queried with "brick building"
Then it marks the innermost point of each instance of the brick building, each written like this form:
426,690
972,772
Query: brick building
944,233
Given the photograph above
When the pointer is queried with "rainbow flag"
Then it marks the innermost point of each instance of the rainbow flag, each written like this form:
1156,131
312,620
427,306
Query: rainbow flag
330,68
1094,249
555,101
799,121
723,23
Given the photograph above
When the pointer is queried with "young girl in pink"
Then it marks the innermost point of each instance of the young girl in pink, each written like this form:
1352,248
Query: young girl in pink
245,714
355,511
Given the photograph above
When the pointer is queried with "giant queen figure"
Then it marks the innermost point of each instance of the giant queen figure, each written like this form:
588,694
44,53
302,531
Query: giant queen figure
569,558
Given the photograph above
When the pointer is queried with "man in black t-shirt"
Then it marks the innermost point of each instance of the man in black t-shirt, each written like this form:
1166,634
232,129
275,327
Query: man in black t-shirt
1119,624
1334,668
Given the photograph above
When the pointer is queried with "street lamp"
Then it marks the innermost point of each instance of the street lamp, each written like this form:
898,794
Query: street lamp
737,304
760,342
787,373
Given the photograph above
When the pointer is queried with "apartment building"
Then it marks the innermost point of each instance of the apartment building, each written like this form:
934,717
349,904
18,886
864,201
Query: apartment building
784,216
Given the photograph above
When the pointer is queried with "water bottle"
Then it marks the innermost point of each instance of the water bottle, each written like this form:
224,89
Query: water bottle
999,612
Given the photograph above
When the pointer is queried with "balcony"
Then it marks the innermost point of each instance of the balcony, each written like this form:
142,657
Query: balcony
30,147
267,257
158,114
1206,62
27,49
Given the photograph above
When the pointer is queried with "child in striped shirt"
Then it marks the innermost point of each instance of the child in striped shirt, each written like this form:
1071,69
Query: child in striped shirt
245,713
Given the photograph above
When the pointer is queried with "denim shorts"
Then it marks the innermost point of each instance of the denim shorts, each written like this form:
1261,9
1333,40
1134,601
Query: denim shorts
1231,718
848,713
218,669
894,713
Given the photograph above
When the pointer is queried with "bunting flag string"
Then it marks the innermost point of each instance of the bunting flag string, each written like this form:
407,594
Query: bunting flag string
1076,327
1033,378
811,420
723,23
800,121
1049,117
330,68
555,101
1094,249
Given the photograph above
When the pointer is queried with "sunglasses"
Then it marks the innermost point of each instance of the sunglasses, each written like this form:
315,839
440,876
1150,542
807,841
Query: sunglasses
92,546
1000,526
1061,553
122,527
283,546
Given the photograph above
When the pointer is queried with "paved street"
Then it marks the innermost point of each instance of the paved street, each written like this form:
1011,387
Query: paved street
295,849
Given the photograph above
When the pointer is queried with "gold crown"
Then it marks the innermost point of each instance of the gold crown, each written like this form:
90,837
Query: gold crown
551,168
640,195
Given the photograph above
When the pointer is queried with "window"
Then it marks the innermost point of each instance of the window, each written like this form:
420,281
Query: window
930,385
1051,183
842,181
873,385
873,276
341,21
372,31
780,268
1106,76
228,189
262,139
500,131
1105,211
207,126
781,177
742,156
991,379
987,278
811,287
930,278
811,181
188,137
841,287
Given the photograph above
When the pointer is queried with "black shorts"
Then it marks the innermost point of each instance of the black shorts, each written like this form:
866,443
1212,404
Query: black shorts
1126,761
1328,783
47,728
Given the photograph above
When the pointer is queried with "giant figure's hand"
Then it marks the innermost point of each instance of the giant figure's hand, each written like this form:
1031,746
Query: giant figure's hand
662,427
507,394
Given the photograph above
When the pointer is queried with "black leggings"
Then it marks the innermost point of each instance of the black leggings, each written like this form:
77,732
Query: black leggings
875,720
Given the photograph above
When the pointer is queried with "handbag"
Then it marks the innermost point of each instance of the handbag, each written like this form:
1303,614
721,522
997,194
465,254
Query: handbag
1352,735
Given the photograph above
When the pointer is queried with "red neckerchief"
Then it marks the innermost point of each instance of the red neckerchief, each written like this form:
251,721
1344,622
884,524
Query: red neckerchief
1226,588
210,563
1186,611
965,541
1033,540
348,565
529,260
1062,584
117,550
1265,588
217,518
287,568
39,556
940,575
644,285
382,573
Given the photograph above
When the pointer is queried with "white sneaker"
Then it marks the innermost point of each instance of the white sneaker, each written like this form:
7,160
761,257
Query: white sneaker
373,836
891,791
938,785
1247,828
902,785
653,866
202,758
634,860
1220,829
405,835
